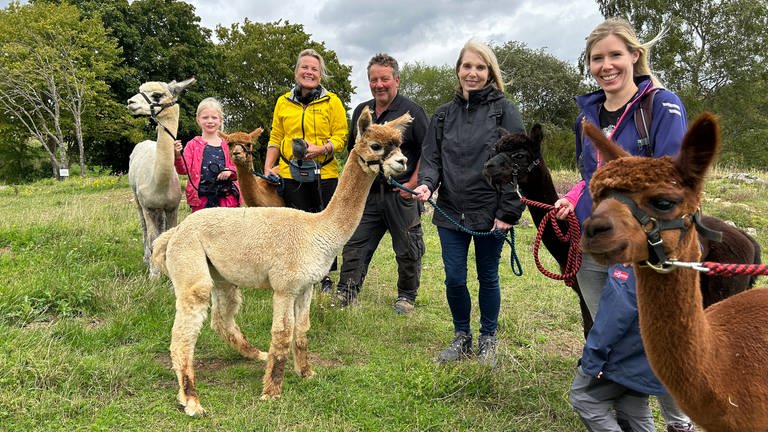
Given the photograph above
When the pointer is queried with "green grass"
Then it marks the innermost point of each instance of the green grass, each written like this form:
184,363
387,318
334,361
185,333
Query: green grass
86,333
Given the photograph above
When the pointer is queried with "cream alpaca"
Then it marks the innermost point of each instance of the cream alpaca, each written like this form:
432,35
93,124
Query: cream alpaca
151,173
214,251
713,361
256,191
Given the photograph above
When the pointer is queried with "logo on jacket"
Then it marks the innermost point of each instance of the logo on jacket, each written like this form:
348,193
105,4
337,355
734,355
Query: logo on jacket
620,274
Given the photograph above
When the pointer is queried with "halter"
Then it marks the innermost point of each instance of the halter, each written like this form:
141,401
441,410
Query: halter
653,228
153,114
516,168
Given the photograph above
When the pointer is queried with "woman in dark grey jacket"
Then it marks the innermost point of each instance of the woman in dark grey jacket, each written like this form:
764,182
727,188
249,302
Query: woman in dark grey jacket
459,140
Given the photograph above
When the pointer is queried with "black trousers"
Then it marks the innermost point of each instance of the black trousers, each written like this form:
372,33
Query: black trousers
311,197
385,210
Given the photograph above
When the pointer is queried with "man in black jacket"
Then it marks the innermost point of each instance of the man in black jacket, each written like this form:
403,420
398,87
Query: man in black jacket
388,208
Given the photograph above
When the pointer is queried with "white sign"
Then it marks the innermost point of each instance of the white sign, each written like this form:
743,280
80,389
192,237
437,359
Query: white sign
64,172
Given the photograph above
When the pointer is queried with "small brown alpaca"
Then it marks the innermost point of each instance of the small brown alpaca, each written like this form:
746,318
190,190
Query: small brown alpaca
256,191
214,251
713,361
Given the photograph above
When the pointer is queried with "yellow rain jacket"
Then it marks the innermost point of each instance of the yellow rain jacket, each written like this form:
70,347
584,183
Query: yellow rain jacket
322,120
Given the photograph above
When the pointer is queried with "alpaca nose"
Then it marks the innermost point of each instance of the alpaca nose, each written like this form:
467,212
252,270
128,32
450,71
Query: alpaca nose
594,227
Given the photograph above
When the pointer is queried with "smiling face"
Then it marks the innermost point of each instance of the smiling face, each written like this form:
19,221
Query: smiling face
473,72
209,120
308,72
612,65
383,84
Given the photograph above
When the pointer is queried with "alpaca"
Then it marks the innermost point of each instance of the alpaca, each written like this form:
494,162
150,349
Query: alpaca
256,191
515,151
712,361
151,173
214,251
518,160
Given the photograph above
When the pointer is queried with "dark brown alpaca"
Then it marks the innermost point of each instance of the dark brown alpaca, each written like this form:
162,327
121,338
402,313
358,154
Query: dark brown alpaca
713,361
256,191
518,155
518,159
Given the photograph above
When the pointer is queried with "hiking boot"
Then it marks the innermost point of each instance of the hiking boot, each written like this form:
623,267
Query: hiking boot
681,427
486,350
460,348
345,298
326,285
403,306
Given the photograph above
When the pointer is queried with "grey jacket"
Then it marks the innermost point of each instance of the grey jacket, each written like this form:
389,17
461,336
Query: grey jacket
454,164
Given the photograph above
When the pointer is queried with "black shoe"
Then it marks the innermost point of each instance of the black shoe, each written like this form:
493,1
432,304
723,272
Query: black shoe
460,348
345,298
326,285
486,350
403,306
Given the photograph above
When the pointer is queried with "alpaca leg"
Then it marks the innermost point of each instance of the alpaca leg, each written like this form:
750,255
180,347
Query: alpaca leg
145,236
154,219
226,301
300,346
282,327
191,311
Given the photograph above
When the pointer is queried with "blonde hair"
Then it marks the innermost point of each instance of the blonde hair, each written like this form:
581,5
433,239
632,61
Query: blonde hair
622,29
485,52
208,103
312,53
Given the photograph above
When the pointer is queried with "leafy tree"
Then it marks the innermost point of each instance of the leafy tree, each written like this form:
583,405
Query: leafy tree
713,55
428,86
53,68
257,67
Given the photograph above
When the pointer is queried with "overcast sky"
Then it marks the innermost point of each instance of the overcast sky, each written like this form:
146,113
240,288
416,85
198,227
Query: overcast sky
427,31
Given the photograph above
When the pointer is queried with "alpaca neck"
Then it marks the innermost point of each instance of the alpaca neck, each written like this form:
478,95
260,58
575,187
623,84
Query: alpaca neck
345,209
164,152
538,186
675,331
247,181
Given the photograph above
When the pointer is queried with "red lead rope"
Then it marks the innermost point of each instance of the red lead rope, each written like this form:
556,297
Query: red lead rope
719,269
572,237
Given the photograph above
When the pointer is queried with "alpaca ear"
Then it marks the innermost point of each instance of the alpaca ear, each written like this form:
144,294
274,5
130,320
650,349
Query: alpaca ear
401,123
608,149
537,135
256,133
699,149
222,135
364,121
177,87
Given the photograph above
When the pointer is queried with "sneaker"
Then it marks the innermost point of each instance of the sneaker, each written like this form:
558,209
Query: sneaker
486,350
345,298
326,285
681,427
403,306
460,348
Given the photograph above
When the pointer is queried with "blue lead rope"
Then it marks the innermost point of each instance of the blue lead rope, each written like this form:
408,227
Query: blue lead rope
514,261
275,180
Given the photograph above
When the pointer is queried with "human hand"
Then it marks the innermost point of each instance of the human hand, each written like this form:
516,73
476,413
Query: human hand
501,226
563,207
224,175
422,193
177,148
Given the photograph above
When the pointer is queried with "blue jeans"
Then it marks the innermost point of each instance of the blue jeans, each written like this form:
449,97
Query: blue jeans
455,248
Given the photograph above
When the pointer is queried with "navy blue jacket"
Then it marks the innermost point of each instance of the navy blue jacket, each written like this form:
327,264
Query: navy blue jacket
614,349
666,131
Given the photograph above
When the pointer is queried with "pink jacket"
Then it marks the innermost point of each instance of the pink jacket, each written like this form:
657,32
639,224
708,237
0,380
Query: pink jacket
193,155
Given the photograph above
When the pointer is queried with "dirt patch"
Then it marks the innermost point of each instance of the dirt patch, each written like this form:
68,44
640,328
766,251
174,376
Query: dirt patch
563,343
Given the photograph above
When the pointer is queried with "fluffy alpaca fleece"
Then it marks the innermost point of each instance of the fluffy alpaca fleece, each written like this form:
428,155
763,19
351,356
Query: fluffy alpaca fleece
713,361
151,173
256,191
214,251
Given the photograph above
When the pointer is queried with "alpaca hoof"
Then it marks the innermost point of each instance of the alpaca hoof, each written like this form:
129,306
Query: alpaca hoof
307,374
192,409
266,397
154,274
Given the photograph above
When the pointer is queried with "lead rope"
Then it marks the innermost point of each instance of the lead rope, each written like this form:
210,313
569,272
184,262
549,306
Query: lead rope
508,236
720,269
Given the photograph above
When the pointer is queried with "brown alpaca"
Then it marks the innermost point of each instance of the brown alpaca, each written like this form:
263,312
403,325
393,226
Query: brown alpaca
713,361
256,191
214,251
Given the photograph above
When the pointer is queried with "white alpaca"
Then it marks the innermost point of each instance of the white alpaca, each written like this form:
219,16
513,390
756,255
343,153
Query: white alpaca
213,251
151,173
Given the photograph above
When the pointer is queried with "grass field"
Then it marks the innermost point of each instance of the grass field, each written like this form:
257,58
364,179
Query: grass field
85,333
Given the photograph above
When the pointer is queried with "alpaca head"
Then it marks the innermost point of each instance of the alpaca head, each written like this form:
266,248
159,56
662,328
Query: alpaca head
378,145
154,96
241,145
516,154
663,192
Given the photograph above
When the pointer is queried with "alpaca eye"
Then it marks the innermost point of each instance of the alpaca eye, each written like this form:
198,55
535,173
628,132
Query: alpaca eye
156,96
376,147
663,205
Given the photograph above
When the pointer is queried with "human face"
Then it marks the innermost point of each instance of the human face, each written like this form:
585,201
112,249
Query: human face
308,72
473,72
612,66
209,121
383,84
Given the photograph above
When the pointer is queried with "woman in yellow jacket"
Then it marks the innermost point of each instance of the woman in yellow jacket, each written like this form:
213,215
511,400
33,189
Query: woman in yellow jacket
309,125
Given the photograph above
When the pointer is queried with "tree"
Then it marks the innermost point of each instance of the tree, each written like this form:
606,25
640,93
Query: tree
53,66
713,56
428,86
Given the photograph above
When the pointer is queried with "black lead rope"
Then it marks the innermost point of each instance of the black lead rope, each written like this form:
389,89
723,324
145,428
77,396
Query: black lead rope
508,236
